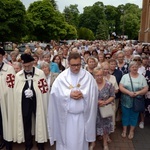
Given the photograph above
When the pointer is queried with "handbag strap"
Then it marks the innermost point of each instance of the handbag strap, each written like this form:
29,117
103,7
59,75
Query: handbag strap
131,82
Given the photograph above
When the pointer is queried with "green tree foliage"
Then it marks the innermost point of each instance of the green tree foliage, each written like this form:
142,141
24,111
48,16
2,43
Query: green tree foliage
71,32
111,17
124,19
130,20
102,31
42,21
84,33
48,23
120,9
88,19
92,15
71,15
131,25
54,4
12,20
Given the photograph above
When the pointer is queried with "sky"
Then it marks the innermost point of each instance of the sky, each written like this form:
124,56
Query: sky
82,3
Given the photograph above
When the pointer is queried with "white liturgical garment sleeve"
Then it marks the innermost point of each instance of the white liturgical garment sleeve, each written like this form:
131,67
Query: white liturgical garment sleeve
59,104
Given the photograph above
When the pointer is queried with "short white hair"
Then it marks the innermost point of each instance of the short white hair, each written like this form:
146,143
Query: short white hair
136,56
132,63
44,64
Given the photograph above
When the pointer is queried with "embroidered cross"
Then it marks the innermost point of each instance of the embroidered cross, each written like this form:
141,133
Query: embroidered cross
43,86
10,79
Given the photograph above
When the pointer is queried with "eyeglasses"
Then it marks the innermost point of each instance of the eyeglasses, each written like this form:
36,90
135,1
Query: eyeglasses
137,60
107,57
75,65
98,76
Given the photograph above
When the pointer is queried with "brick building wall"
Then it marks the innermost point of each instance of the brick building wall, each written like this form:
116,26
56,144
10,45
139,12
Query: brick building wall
144,33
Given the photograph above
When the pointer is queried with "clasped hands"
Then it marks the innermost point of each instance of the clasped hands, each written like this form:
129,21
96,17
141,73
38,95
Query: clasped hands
101,103
77,95
133,94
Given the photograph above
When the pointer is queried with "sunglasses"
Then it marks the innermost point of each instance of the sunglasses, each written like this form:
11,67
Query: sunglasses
107,57
137,60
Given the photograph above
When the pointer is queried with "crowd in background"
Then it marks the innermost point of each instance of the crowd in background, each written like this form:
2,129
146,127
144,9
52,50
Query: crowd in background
115,60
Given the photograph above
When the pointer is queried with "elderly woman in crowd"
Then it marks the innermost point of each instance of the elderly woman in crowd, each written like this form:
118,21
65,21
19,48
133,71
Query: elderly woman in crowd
101,59
53,66
106,96
118,74
130,117
109,77
138,60
112,79
50,76
13,56
138,49
107,56
121,64
17,66
128,54
39,52
91,64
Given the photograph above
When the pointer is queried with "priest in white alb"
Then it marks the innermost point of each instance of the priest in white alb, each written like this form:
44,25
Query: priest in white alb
73,107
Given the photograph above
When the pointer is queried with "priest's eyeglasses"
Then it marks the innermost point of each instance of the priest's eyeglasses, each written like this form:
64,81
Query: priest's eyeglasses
75,65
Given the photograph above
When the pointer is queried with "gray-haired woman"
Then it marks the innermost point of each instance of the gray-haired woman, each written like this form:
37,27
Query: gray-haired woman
129,116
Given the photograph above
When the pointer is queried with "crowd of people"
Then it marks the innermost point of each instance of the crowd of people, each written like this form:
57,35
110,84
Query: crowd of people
56,93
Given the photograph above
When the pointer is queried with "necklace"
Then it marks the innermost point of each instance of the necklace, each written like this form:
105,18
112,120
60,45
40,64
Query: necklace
78,84
71,86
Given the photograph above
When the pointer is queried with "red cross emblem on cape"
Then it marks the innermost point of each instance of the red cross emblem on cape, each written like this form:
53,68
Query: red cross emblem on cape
10,80
43,86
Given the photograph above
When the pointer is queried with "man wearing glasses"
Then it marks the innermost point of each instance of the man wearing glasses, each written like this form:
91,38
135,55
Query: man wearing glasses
73,107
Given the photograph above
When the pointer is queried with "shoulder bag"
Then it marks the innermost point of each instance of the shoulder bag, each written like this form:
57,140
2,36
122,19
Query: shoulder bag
138,101
106,111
